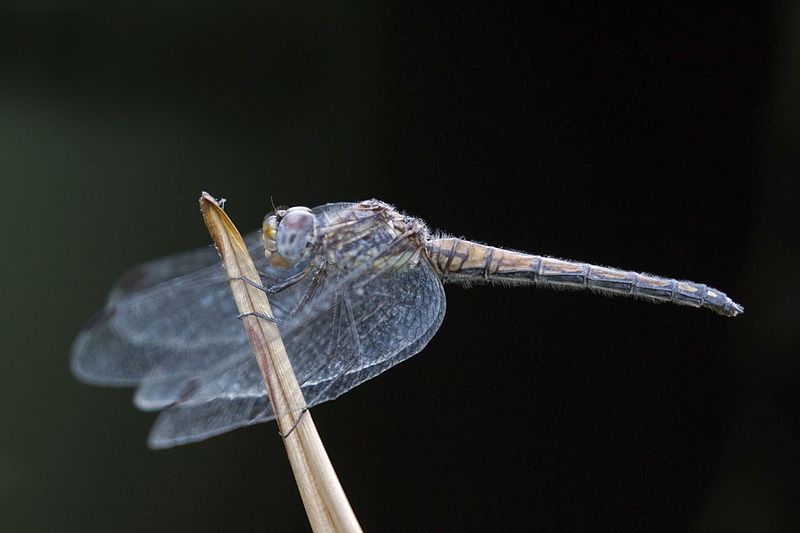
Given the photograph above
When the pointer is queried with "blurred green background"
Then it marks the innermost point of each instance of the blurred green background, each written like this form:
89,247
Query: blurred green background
656,139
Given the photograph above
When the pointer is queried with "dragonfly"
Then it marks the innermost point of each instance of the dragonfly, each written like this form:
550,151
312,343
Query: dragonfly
355,288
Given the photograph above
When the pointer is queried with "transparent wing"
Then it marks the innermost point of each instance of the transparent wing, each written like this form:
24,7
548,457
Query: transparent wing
332,353
178,339
168,318
167,268
160,326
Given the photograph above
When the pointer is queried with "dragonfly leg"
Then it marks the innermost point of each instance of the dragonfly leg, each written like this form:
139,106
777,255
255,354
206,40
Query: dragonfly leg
261,316
299,418
288,282
357,352
274,289
317,278
250,282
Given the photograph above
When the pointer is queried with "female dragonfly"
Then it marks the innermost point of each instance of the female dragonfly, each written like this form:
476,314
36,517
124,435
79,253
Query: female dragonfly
355,288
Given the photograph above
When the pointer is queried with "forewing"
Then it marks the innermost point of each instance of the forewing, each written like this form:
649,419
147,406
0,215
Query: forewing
170,326
361,334
165,319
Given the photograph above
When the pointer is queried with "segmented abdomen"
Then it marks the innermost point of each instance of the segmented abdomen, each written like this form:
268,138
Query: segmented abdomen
465,261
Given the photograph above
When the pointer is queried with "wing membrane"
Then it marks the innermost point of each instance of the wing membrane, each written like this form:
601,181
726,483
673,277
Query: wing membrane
232,396
170,327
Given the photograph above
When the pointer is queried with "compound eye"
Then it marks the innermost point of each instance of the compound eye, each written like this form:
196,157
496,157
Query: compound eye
269,231
296,230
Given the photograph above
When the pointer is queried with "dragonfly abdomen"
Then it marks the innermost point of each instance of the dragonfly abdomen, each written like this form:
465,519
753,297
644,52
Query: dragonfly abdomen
469,262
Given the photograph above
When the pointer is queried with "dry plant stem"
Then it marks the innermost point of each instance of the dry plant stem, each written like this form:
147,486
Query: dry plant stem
323,497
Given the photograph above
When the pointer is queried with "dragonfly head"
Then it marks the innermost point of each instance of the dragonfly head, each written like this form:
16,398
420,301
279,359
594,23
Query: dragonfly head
289,235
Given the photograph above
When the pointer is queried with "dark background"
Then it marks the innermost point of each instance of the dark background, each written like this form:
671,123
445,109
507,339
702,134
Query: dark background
658,138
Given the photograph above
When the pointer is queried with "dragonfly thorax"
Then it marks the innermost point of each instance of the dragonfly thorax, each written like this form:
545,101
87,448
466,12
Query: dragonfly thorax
289,235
